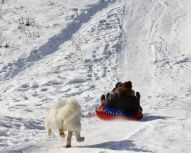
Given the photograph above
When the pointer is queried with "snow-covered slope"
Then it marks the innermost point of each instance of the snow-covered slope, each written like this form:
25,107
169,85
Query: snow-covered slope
61,48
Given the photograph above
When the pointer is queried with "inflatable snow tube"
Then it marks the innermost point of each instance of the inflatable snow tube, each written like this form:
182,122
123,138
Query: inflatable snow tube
107,113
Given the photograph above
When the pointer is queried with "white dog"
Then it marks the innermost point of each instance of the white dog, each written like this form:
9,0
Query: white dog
65,116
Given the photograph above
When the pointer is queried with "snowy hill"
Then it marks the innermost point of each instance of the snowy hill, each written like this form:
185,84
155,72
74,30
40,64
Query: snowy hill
56,49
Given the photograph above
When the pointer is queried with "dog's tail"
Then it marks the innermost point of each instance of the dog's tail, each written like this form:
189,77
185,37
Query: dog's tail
71,109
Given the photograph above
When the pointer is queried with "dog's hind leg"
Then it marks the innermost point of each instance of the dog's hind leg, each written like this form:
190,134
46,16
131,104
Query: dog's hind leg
69,139
78,137
49,132
61,132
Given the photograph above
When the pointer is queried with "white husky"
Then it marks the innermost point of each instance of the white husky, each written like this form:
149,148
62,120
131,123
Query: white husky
65,116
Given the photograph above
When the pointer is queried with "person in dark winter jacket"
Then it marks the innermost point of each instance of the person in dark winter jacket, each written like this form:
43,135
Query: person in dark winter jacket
123,98
127,104
118,84
127,100
127,88
102,99
105,99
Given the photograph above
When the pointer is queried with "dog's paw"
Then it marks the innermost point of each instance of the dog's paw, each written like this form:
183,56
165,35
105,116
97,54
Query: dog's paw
62,135
81,139
68,146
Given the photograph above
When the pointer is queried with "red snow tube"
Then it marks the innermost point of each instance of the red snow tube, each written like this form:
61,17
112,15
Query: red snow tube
107,113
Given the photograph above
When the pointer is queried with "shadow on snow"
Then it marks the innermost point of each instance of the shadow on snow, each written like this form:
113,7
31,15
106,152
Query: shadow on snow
117,145
149,117
54,42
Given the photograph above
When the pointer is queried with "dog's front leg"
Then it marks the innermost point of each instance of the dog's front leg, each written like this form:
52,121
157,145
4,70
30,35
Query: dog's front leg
69,139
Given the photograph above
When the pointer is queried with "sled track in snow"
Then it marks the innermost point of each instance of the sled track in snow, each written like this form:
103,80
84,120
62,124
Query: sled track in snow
57,40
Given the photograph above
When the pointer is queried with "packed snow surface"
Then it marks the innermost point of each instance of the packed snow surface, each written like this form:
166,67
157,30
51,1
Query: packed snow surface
58,49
